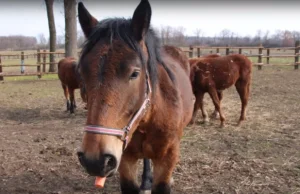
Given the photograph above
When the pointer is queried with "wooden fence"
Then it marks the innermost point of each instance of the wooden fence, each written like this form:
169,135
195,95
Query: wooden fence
41,57
228,50
194,51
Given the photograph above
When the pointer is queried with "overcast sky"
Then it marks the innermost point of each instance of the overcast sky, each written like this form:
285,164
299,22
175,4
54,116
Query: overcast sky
23,17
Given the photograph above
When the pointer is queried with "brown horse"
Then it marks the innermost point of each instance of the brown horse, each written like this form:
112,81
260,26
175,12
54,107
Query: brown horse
70,80
139,100
215,74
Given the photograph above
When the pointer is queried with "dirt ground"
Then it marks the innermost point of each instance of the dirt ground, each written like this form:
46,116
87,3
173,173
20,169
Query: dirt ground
38,142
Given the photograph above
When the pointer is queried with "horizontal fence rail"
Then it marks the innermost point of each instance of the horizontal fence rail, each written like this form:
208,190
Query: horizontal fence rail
42,56
195,51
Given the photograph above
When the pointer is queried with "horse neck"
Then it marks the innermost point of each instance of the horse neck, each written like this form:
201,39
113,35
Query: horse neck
164,98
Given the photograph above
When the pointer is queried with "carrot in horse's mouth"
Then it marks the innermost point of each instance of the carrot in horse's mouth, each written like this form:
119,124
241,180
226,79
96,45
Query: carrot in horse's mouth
100,181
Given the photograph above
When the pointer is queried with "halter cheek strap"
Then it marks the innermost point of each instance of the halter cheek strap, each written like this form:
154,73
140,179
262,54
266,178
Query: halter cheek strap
123,133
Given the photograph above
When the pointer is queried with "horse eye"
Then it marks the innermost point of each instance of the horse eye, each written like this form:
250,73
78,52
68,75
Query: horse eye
134,75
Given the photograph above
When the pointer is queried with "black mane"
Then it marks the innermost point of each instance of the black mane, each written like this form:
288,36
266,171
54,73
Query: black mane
120,29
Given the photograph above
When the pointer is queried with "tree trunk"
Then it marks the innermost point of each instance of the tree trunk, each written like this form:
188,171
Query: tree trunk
70,28
52,32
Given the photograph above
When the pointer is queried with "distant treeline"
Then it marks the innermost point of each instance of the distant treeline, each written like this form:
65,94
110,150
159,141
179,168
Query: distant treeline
171,36
17,42
177,37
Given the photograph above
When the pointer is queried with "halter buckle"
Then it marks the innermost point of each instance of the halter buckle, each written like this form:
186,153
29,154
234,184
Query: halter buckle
125,135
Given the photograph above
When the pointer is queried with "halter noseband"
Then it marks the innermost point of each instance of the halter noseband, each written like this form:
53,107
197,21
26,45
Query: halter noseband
123,133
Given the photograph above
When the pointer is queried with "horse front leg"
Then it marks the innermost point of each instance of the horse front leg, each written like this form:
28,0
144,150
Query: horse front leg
128,171
163,170
146,176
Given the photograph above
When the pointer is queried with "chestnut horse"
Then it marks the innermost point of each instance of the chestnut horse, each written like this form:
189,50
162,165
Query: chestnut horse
213,75
70,80
139,100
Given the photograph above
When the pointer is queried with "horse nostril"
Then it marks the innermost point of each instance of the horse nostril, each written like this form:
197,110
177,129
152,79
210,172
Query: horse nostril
110,162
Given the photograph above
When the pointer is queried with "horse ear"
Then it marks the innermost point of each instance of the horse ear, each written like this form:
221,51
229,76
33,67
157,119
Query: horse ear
140,22
86,20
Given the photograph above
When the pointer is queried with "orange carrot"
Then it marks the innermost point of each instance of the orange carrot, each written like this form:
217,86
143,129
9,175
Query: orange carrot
100,181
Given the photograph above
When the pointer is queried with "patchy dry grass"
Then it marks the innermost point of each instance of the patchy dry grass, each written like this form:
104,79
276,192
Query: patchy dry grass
38,142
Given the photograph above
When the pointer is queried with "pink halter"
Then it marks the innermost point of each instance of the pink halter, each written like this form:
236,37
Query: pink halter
123,133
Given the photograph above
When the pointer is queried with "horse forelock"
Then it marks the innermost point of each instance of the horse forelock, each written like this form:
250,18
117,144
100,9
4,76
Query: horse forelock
119,29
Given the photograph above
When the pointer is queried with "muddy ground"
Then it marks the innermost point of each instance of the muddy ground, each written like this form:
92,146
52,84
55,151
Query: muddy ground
38,142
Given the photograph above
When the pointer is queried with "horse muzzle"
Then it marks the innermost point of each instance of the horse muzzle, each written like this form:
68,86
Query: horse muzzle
105,166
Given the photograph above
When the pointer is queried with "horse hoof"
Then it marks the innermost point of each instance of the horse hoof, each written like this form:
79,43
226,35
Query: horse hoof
205,122
191,123
239,123
222,125
214,116
172,181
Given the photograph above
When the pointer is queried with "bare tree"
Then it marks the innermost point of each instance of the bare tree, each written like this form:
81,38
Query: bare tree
287,38
266,38
198,34
70,28
257,38
60,41
52,32
42,40
225,35
296,35
166,34
178,36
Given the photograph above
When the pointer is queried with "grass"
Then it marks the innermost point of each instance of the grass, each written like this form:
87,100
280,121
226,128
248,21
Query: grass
32,78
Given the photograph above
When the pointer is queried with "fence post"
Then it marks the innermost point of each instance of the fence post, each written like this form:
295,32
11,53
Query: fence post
297,52
198,52
44,61
259,60
191,53
1,77
38,67
22,63
268,56
240,50
227,49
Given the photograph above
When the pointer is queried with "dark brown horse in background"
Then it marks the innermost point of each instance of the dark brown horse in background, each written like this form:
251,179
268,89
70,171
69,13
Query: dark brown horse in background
139,100
70,80
213,75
